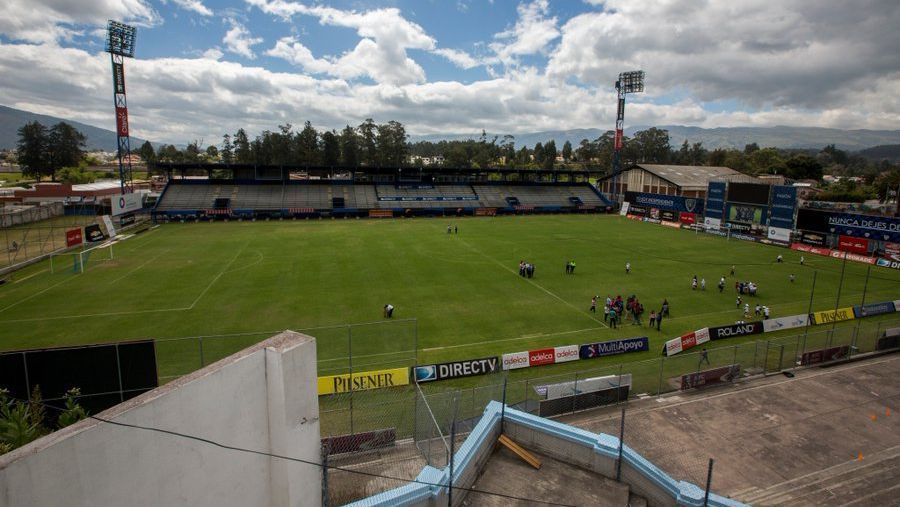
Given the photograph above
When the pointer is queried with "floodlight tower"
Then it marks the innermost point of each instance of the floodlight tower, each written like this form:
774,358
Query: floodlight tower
629,82
120,45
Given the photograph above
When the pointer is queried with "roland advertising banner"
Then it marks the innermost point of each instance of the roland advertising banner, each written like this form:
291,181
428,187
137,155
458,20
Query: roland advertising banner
364,380
611,348
734,330
456,369
829,316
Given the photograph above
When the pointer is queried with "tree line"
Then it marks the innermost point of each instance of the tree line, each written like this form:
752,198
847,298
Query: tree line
45,152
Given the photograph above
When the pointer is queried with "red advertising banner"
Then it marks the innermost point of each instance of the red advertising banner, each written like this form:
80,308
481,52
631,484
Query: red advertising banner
824,355
710,377
122,121
687,218
74,237
892,250
865,259
855,245
618,139
800,247
541,357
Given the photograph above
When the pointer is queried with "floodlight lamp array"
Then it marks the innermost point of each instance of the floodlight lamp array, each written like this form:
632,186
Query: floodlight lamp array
631,82
120,39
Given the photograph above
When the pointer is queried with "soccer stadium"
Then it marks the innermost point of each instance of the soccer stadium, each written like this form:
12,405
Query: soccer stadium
610,328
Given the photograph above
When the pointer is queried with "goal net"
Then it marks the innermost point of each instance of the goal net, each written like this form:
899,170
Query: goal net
80,261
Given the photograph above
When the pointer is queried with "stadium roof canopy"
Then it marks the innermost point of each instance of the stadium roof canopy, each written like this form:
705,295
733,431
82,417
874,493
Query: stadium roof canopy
688,176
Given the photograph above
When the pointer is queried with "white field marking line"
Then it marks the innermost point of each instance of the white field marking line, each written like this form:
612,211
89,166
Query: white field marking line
763,386
507,268
523,337
148,261
216,279
258,261
113,314
870,495
36,294
30,276
343,358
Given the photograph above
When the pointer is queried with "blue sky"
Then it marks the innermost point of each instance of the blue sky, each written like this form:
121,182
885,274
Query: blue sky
205,67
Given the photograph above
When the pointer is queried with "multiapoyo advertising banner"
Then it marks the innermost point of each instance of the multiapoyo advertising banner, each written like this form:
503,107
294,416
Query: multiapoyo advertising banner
611,348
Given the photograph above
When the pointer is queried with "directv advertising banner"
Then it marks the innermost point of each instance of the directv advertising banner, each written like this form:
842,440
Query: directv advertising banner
119,77
665,202
888,263
873,309
456,369
611,348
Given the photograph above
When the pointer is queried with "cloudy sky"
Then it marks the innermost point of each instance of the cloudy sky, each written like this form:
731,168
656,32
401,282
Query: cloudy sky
205,67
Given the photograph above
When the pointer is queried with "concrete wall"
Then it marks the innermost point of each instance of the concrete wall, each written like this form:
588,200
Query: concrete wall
262,398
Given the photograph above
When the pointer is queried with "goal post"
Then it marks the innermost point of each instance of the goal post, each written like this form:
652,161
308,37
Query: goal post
82,259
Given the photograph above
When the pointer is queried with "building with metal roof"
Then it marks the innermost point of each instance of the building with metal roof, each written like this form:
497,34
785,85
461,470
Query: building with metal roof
683,180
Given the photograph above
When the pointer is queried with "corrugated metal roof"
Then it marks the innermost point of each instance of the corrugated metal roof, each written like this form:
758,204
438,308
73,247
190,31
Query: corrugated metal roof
99,185
696,176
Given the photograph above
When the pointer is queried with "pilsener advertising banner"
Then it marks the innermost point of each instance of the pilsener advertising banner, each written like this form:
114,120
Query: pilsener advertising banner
376,379
829,316
456,369
611,348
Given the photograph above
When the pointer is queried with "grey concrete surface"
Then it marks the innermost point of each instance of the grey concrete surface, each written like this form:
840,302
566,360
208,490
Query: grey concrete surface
778,440
555,482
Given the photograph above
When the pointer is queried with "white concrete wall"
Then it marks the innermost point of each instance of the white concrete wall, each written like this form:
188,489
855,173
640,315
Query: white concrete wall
262,398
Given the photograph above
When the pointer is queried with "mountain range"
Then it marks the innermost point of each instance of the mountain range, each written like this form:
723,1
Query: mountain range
722,137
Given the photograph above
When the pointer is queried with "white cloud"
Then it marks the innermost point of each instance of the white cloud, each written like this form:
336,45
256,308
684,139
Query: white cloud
291,50
195,6
213,53
381,54
239,41
531,34
50,20
459,58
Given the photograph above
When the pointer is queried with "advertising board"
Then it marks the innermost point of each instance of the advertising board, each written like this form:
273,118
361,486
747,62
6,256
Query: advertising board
829,316
824,355
514,360
714,376
74,237
668,215
687,341
888,263
122,121
541,357
93,234
745,214
712,223
812,238
624,210
126,203
892,250
687,218
851,244
665,202
855,257
364,380
611,348
565,354
735,330
873,309
750,193
110,228
779,234
456,369
782,323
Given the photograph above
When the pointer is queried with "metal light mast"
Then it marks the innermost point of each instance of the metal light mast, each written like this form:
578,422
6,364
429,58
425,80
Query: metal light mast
120,45
629,82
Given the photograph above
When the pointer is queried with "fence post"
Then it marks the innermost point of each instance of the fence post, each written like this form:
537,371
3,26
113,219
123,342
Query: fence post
708,482
734,359
619,386
662,361
766,359
621,445
780,357
325,475
350,367
575,392
452,449
755,353
202,363
27,381
503,404
119,370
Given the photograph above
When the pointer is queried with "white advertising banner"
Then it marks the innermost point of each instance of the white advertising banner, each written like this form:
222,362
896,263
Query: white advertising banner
515,360
712,223
770,325
110,229
780,234
565,354
624,210
126,203
673,346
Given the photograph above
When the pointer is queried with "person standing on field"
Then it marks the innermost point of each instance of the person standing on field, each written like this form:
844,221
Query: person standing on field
627,268
594,304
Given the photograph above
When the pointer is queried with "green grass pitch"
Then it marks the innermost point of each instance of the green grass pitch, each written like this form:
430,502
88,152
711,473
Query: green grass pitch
252,279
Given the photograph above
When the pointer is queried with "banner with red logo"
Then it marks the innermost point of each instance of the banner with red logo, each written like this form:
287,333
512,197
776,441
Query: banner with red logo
122,121
892,250
541,357
566,353
687,341
74,237
687,218
853,257
515,360
851,244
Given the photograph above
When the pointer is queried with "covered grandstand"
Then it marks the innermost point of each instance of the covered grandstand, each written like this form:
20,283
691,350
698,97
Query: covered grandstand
223,191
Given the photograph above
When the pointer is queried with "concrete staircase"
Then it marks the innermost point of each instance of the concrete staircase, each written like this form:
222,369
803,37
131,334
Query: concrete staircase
854,482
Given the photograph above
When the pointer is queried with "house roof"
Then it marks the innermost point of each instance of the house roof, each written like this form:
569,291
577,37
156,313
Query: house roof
695,176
